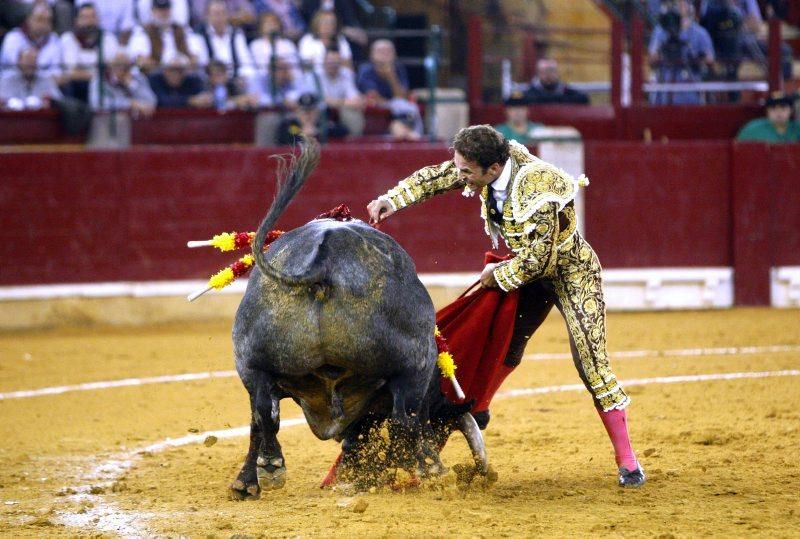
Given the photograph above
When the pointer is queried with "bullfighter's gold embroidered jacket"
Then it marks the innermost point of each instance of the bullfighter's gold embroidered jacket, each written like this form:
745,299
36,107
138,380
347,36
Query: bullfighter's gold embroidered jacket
538,214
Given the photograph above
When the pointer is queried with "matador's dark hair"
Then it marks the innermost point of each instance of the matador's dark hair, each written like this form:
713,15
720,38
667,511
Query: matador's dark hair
482,144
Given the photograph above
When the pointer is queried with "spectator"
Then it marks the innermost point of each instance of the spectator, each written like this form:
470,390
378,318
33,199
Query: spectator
179,12
116,16
280,88
517,126
681,51
176,88
225,94
240,12
406,124
547,88
37,33
739,24
26,88
12,14
324,34
307,122
286,10
225,44
777,126
271,29
83,49
337,82
122,88
341,97
62,13
347,15
383,78
161,37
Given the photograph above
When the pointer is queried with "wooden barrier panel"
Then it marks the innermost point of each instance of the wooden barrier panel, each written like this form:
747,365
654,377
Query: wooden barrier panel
120,216
95,216
659,205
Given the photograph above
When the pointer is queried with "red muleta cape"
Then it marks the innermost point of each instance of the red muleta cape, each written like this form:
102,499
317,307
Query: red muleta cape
478,328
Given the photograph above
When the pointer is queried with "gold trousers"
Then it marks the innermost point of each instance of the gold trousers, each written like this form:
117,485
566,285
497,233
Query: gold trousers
576,290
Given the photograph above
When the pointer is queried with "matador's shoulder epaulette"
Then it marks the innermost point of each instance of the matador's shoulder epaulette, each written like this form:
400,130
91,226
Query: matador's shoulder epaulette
538,183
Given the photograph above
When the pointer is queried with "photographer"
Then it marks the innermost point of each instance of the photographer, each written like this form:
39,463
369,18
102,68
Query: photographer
680,51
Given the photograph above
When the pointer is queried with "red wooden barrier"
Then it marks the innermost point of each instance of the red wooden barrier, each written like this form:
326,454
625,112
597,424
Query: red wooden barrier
659,204
119,216
115,216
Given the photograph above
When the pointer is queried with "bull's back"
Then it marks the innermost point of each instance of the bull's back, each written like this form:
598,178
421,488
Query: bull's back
360,300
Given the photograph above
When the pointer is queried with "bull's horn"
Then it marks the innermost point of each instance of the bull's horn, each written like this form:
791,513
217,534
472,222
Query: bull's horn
468,427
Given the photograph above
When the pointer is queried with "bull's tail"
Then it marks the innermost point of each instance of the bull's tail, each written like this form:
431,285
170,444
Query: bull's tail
292,174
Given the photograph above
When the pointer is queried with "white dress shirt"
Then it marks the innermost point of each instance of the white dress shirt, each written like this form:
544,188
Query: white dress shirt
500,188
261,49
312,50
115,15
140,43
221,45
179,11
75,56
49,60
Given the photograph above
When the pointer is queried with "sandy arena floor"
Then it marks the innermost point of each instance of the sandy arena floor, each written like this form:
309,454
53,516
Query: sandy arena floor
720,450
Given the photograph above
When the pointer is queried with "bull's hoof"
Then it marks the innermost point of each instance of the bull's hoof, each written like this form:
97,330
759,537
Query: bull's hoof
431,468
271,474
241,491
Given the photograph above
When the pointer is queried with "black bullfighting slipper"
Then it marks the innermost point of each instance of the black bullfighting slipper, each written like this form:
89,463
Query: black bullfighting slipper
482,419
632,479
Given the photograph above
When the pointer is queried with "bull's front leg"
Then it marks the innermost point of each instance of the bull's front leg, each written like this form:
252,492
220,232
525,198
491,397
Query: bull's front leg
407,398
264,467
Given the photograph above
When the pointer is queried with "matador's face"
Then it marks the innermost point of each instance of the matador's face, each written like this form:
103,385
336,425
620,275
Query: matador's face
474,175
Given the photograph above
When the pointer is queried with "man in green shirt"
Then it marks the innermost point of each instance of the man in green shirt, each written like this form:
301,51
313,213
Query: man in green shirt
778,125
517,126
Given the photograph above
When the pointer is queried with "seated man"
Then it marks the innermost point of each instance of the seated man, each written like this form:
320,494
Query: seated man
384,82
339,91
26,88
280,88
35,33
383,78
308,121
224,93
777,126
161,37
82,51
547,88
122,88
225,43
517,126
175,88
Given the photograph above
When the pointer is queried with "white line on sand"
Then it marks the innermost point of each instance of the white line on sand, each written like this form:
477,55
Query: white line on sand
188,377
108,517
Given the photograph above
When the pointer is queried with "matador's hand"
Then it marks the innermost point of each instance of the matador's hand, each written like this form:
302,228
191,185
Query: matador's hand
487,276
379,210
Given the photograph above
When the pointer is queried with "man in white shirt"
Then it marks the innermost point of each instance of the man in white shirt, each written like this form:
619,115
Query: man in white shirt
179,14
162,38
338,86
24,88
83,49
116,16
226,44
36,33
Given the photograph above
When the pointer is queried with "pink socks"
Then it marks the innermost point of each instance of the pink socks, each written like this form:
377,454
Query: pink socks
616,423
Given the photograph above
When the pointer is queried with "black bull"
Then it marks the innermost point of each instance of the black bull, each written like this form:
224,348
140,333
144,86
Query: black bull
335,318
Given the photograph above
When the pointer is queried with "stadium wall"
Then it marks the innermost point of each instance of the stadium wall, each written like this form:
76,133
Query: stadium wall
112,217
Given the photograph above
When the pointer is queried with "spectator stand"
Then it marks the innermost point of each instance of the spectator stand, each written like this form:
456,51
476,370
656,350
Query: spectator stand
620,109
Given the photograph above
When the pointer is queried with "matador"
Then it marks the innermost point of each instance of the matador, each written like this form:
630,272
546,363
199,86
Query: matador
530,204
